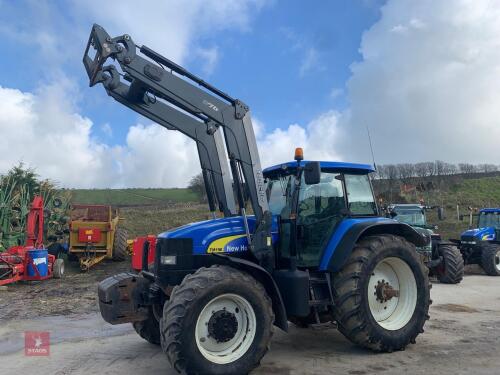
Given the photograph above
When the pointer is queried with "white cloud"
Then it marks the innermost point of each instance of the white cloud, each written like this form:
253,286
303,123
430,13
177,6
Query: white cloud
428,83
107,130
336,93
310,61
210,57
157,157
44,131
171,27
319,139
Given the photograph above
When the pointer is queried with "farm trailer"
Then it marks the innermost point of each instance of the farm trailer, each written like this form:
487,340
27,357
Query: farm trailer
95,235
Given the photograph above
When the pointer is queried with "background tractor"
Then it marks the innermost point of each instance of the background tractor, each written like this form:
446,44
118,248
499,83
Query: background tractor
481,245
443,258
315,250
95,235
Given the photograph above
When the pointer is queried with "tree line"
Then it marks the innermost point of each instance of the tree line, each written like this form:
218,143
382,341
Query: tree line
406,172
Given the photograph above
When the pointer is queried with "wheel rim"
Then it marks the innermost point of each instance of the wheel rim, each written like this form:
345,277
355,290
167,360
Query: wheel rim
497,260
225,328
392,293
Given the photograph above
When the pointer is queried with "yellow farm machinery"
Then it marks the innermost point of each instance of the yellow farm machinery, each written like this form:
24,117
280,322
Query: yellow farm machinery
95,235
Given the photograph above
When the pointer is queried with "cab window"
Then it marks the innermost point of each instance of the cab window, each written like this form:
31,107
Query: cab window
360,195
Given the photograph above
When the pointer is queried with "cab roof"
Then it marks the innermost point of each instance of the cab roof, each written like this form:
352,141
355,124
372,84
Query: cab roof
490,210
333,166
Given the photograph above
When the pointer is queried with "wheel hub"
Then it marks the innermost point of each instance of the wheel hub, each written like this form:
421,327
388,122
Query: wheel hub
384,291
222,326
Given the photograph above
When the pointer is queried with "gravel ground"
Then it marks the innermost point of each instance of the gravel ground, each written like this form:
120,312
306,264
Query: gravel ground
462,337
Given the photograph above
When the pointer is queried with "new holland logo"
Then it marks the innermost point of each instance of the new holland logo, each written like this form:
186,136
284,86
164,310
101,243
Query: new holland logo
231,244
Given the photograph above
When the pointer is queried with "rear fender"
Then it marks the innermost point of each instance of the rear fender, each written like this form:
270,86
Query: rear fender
361,229
265,278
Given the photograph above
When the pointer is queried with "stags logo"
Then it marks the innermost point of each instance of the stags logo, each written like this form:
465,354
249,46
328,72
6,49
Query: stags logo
36,343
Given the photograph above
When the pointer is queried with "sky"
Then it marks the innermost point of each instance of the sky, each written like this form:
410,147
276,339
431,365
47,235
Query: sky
423,76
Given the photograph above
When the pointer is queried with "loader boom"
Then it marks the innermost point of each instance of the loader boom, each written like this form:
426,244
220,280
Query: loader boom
178,100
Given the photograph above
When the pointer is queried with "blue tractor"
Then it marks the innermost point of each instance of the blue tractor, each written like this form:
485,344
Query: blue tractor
482,244
314,252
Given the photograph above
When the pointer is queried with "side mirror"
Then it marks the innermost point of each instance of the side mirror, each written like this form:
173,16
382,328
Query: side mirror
312,173
441,213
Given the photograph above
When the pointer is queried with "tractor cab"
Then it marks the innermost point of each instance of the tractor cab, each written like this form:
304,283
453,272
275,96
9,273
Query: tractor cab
488,227
342,191
411,214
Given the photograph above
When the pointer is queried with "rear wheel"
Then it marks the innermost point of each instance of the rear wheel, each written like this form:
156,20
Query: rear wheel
120,244
218,321
382,294
451,269
490,259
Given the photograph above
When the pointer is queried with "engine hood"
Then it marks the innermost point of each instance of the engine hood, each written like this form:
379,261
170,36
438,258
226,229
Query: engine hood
206,233
481,234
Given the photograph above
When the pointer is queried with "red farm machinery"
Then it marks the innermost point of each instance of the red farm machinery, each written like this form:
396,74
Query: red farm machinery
31,261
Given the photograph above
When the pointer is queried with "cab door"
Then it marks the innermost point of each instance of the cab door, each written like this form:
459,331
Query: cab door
320,208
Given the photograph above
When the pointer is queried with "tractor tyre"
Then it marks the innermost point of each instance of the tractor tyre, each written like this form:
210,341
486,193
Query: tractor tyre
451,270
382,294
218,321
490,259
58,268
148,329
120,245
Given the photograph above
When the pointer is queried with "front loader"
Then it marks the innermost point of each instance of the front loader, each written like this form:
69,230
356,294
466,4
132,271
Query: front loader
315,251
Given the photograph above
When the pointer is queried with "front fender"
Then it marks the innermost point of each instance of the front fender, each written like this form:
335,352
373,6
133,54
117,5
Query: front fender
350,231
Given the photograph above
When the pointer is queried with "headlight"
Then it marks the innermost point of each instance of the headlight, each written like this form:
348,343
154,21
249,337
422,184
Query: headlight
168,260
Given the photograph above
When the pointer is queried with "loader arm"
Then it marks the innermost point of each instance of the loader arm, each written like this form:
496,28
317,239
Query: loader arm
210,145
177,99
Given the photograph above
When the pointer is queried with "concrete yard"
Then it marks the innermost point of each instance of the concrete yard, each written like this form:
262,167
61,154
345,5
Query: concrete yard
462,337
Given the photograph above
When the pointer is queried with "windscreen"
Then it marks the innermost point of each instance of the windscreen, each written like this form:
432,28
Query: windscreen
489,219
410,216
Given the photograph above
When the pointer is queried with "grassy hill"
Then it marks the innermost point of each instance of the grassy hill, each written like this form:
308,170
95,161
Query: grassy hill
132,197
452,191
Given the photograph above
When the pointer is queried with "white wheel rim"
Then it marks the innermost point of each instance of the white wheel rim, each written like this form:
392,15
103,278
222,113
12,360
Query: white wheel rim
392,312
497,260
238,345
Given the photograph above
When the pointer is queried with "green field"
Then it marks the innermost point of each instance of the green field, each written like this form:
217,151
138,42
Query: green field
140,221
132,197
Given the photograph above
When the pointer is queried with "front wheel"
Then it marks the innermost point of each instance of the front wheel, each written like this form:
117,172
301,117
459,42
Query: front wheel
451,269
490,259
149,329
218,321
382,294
